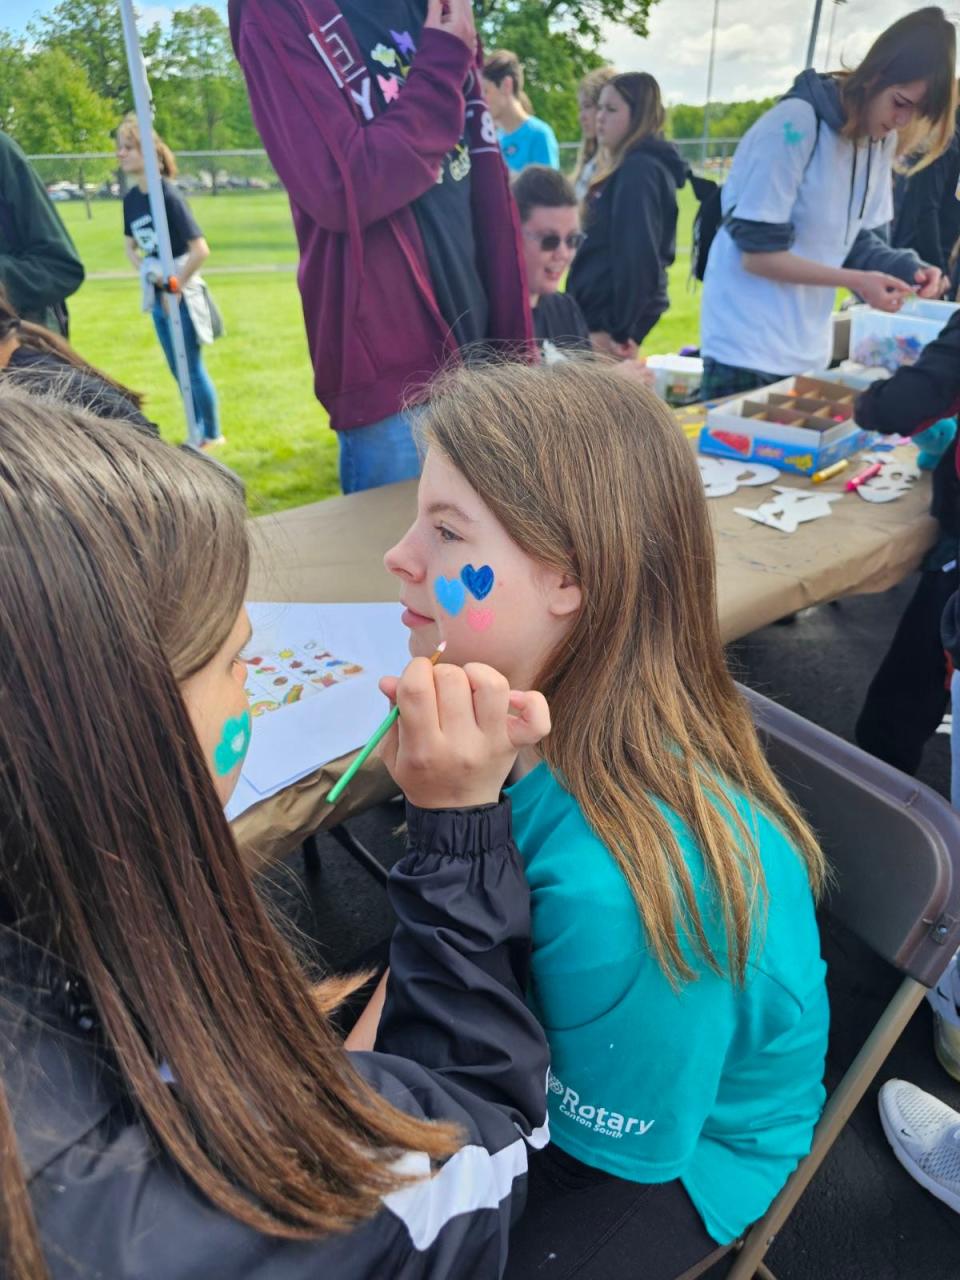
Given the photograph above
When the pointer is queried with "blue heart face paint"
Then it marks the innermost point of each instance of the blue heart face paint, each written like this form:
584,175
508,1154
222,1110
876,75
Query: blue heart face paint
479,582
233,744
450,594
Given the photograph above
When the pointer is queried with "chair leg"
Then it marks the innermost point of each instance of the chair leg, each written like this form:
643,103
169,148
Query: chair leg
360,853
841,1105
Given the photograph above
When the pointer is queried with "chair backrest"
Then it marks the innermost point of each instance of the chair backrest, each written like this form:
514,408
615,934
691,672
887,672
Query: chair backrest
892,843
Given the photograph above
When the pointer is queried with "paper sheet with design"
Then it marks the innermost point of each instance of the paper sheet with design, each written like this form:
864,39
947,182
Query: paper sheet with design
291,675
312,672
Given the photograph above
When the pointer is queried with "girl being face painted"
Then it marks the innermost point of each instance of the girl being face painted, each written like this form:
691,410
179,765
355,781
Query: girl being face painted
465,581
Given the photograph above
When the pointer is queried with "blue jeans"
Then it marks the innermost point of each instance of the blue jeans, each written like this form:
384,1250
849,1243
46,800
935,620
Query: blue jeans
204,395
381,453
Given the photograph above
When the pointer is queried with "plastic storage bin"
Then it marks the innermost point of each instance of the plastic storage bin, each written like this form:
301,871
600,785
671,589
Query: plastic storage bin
887,339
677,378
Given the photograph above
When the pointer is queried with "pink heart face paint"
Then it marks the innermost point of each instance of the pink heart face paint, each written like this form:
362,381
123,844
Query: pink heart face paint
479,619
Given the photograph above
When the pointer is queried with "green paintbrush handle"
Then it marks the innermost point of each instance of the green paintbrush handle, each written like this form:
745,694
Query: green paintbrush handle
336,791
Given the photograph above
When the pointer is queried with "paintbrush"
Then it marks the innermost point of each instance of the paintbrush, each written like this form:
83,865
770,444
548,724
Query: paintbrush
389,720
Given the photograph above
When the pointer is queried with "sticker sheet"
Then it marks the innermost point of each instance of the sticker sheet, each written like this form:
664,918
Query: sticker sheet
291,675
312,673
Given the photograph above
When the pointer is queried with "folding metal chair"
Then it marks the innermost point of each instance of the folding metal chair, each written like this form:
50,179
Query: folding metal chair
894,847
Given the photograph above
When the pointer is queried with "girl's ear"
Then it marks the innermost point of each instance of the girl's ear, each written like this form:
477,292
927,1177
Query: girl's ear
565,596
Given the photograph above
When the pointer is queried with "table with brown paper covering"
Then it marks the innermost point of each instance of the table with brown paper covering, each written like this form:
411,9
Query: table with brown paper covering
332,552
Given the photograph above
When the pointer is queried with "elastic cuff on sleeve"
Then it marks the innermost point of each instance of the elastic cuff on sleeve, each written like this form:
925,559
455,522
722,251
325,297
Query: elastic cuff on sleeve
460,832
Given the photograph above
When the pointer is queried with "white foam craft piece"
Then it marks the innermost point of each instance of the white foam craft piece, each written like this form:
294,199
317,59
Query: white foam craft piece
792,508
896,479
723,476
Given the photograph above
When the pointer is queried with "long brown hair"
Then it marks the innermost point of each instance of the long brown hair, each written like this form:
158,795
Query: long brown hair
124,567
589,89
167,161
919,46
641,93
36,338
590,475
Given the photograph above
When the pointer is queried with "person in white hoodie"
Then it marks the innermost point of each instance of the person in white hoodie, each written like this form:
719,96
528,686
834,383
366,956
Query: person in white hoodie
810,186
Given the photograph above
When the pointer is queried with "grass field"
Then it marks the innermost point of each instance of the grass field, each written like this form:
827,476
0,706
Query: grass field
278,440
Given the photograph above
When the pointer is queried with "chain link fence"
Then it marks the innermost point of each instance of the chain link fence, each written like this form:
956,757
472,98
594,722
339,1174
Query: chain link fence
713,161
95,176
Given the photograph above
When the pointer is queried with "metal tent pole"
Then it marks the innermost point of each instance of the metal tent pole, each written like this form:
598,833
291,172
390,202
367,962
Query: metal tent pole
814,32
706,105
144,108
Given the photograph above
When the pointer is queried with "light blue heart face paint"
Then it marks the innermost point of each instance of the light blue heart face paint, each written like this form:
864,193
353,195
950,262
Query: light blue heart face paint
450,594
233,744
479,582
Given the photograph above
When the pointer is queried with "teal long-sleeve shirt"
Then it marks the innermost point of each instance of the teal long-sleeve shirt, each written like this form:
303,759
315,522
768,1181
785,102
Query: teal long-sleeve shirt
714,1084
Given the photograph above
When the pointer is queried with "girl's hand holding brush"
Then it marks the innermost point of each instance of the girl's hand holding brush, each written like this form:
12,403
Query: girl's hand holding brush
458,732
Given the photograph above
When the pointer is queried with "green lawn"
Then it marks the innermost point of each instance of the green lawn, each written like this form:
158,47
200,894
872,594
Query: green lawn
277,434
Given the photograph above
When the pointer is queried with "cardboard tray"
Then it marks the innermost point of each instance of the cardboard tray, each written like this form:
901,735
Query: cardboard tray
800,424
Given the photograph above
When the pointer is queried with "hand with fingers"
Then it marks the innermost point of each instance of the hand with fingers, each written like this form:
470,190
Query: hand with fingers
881,291
458,733
453,16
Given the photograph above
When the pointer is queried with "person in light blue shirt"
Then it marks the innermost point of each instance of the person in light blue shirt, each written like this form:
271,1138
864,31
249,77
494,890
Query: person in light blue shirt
524,139
562,536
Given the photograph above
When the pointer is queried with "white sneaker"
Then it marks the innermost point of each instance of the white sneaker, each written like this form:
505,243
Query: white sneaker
925,1136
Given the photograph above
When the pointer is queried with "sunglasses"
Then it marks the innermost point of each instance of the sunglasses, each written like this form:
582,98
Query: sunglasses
549,241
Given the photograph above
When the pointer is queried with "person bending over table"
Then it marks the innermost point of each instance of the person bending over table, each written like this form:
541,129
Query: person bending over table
562,533
811,182
174,1102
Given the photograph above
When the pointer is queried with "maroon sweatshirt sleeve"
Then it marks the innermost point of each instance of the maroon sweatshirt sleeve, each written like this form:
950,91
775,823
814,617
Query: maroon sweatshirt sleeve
313,137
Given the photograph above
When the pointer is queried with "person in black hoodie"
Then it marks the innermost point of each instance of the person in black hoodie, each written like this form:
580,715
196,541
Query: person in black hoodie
619,278
907,697
39,264
173,1100
927,211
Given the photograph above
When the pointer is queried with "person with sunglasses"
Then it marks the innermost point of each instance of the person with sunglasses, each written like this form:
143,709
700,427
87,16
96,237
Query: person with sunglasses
550,230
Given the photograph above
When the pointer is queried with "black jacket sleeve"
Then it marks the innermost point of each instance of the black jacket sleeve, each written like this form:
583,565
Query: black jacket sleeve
459,961
917,395
637,234
870,252
39,265
109,1204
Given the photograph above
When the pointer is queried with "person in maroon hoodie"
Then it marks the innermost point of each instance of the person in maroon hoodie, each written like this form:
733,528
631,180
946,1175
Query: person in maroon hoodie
374,118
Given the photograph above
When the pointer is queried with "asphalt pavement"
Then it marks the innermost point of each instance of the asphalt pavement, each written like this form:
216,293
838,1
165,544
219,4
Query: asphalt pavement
862,1218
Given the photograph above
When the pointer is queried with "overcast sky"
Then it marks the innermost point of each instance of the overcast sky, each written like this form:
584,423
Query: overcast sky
754,59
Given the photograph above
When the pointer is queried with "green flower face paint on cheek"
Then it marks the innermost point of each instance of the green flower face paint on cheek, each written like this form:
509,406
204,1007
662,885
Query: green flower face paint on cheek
233,744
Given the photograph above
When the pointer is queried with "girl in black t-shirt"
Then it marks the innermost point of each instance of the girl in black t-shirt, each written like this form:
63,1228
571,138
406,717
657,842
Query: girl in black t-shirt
190,250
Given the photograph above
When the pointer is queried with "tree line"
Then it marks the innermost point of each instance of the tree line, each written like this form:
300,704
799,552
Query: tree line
64,84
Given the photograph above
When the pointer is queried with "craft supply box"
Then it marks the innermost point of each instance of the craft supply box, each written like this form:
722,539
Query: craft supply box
801,424
889,339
